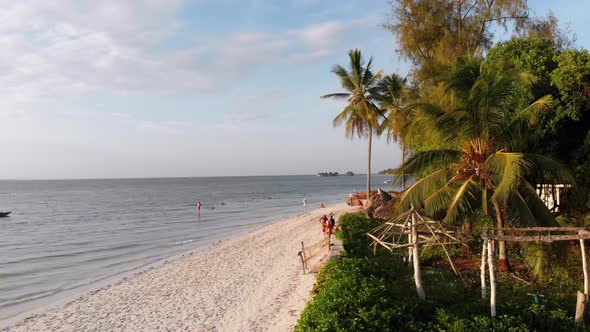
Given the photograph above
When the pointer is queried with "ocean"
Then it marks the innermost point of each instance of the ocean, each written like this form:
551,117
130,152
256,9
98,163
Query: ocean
64,235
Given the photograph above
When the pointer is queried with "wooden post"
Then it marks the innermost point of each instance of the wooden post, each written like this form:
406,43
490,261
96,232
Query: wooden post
580,308
417,277
484,290
584,266
492,279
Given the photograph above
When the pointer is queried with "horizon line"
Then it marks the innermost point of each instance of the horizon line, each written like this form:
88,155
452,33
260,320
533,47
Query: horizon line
171,177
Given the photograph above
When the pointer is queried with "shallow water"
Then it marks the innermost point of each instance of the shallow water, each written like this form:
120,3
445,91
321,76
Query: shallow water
66,233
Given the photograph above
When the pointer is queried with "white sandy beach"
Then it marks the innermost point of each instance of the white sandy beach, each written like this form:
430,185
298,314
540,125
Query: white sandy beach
253,282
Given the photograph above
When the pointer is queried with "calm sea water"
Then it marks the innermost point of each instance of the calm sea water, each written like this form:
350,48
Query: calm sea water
63,234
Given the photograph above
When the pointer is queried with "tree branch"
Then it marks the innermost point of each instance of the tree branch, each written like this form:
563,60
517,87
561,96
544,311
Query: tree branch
506,17
470,8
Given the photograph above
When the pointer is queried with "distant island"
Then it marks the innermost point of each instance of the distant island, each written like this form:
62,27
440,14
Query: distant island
389,171
349,173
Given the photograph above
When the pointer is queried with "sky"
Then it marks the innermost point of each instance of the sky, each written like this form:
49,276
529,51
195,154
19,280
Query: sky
173,88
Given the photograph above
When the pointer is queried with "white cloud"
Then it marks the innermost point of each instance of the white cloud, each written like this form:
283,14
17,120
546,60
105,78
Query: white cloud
69,48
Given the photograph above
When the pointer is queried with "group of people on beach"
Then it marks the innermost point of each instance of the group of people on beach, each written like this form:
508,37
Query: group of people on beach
328,225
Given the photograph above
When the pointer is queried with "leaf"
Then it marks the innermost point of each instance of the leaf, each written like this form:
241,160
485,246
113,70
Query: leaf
416,194
508,169
460,200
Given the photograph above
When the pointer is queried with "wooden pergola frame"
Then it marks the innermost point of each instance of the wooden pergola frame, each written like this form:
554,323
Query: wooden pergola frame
530,234
419,231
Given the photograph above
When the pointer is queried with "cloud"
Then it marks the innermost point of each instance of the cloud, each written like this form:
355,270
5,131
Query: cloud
68,48
64,48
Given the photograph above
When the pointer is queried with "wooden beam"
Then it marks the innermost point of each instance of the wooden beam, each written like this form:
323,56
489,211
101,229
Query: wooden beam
536,229
538,238
379,241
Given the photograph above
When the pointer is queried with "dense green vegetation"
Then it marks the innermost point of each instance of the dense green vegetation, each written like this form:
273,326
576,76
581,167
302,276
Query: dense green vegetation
361,292
565,132
352,228
480,126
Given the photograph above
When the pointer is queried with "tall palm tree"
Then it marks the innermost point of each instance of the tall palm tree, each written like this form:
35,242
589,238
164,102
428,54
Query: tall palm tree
360,116
481,171
392,94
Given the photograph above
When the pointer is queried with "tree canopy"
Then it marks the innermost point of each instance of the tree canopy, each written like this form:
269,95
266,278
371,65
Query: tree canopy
433,33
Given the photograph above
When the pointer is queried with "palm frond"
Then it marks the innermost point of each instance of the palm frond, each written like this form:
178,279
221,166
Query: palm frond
549,170
416,194
536,258
342,116
461,202
430,160
346,80
342,95
509,168
439,200
528,209
532,112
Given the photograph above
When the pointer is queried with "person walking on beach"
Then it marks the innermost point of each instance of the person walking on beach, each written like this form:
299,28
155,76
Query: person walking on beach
324,222
329,230
331,223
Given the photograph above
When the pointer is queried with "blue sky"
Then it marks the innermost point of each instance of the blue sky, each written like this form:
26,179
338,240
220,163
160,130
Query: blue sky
123,88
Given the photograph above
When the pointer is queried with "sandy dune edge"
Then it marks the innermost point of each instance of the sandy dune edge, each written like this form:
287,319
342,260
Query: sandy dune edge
249,283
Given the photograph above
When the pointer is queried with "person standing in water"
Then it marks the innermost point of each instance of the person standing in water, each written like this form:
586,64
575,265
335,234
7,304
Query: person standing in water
199,207
304,201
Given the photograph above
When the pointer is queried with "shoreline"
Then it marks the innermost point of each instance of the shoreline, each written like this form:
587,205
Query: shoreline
41,305
121,298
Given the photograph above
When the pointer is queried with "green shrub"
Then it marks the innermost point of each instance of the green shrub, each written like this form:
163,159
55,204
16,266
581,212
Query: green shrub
353,230
357,294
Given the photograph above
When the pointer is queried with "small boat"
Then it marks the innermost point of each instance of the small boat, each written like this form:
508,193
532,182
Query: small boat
387,181
4,214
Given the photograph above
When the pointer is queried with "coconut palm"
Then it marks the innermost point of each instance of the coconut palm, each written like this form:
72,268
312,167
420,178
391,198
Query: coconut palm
360,116
481,171
392,94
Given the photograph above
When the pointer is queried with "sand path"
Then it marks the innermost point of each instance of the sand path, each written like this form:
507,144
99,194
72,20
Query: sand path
252,282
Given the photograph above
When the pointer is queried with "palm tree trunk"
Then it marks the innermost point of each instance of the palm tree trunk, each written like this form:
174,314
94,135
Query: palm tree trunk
504,263
369,167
